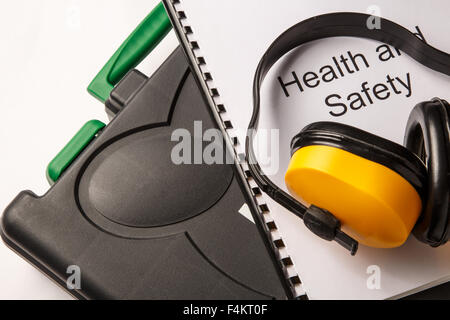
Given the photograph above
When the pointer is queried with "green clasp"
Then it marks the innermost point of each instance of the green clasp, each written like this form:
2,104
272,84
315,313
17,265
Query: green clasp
71,151
137,46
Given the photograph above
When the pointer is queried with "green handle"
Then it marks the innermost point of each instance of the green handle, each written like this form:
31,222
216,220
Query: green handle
75,146
137,46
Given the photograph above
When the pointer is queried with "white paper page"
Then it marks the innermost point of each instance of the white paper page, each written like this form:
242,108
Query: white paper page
234,34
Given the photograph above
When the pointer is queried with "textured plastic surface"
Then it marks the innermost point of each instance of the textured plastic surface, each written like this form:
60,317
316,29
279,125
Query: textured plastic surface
137,46
137,226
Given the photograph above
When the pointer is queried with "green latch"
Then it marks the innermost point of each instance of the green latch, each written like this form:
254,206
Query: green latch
137,46
75,146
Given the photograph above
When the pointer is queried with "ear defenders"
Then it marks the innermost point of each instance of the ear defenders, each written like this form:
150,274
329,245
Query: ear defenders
376,190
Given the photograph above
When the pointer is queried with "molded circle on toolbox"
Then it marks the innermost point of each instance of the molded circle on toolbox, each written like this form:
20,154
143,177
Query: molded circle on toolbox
135,183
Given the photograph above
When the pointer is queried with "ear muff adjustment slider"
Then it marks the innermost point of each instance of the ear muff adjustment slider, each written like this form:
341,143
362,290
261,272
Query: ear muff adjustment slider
326,226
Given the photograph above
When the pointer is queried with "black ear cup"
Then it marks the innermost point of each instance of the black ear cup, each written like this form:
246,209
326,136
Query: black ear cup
427,135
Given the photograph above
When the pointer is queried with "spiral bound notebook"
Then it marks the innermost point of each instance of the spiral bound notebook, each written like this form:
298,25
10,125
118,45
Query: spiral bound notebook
224,41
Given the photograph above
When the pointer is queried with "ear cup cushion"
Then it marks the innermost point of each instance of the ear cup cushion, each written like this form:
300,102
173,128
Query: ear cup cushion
365,145
428,131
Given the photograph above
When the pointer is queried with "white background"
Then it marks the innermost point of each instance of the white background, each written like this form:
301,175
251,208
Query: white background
50,51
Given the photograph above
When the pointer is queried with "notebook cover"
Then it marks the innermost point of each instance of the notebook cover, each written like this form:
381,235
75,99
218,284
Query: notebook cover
225,40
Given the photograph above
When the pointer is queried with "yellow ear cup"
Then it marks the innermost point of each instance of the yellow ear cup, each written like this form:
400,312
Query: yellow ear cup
375,204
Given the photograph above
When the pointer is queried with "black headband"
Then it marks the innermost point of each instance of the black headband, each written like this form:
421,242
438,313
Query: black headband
320,27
